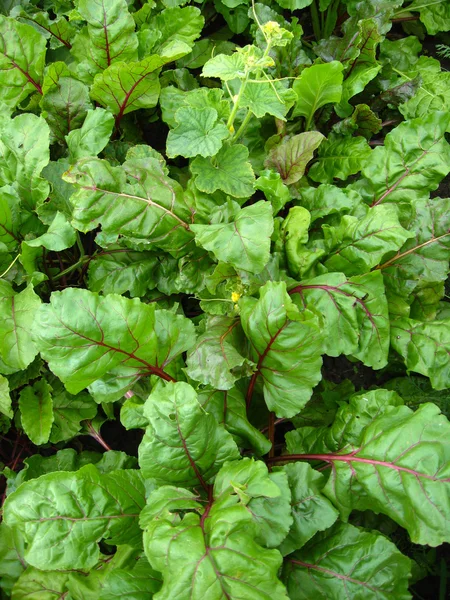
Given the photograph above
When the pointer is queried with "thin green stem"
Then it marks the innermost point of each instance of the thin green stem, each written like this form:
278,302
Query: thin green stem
80,244
83,260
236,103
242,127
10,267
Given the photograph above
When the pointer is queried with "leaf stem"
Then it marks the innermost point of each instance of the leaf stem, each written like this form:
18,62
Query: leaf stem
83,260
10,267
242,127
315,20
236,103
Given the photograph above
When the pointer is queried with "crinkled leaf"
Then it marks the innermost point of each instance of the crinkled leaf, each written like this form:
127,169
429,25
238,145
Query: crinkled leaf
311,510
22,60
36,411
5,398
124,87
197,133
183,445
40,585
338,158
275,191
93,135
293,154
12,562
416,390
136,199
59,236
226,67
82,344
317,85
109,37
358,244
412,162
425,348
326,200
434,15
267,98
215,359
178,24
229,171
24,152
348,562
62,516
17,315
68,412
286,345
404,456
118,270
363,122
244,243
355,314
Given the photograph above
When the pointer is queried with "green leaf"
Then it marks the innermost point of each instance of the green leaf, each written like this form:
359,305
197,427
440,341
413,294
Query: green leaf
363,122
22,60
286,344
183,445
197,133
136,199
125,87
293,154
177,24
317,85
59,31
311,510
435,15
348,562
65,103
229,171
109,37
59,236
226,67
412,162
359,244
12,562
9,218
5,398
267,98
401,455
40,585
118,270
139,583
93,136
228,408
424,347
36,411
327,200
338,158
417,390
62,516
244,243
275,191
24,152
224,559
139,341
18,312
294,4
355,314
68,412
215,359
424,259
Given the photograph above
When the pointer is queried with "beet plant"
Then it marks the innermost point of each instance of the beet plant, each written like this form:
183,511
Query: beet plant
224,321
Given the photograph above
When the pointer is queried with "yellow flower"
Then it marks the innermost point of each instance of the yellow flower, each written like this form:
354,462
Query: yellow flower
235,296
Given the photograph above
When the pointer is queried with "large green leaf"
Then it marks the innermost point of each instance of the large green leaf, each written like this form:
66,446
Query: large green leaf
24,152
311,510
93,135
339,157
109,37
12,562
228,171
117,270
355,313
22,60
36,411
68,412
17,315
244,243
435,15
224,560
286,346
124,87
40,585
62,516
59,236
82,344
176,25
425,348
317,85
402,456
216,359
197,133
263,97
348,562
412,162
5,398
327,199
359,244
292,155
137,200
183,445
